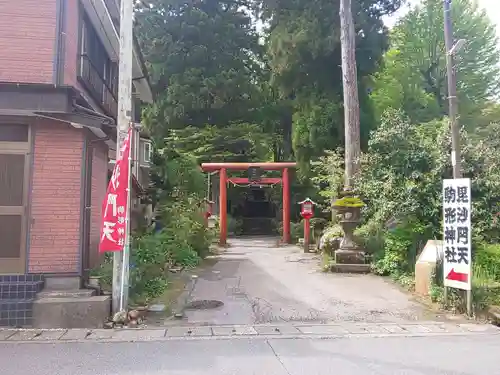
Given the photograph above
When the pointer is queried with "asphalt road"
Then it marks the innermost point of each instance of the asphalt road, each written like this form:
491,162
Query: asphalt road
431,355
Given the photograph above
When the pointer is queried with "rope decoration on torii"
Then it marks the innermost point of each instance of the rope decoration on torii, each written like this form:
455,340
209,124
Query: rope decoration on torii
260,185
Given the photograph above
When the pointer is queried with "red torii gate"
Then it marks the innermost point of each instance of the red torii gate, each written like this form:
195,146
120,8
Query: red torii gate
284,179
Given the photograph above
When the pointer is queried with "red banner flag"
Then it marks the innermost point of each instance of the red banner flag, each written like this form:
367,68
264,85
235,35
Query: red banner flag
115,204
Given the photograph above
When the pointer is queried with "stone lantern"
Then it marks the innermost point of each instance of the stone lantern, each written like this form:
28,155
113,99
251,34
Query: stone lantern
350,252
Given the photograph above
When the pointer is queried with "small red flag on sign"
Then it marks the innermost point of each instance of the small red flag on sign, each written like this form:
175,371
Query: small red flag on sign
115,204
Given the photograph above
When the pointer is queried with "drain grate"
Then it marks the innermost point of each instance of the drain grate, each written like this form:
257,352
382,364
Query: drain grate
203,305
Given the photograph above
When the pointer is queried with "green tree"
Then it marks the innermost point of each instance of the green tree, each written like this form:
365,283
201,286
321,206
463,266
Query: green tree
203,58
398,85
238,142
416,65
303,48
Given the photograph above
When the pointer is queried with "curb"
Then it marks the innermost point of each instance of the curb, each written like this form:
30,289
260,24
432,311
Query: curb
262,332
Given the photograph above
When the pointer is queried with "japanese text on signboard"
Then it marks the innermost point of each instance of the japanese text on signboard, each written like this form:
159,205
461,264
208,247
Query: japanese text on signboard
114,208
457,233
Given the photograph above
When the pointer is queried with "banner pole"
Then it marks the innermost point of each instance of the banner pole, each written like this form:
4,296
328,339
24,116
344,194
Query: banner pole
126,247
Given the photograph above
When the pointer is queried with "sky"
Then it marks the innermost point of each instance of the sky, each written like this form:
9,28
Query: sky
492,8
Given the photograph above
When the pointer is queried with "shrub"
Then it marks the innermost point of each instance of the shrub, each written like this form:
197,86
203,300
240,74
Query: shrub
329,241
296,231
401,182
234,225
182,241
487,261
485,283
398,254
151,256
402,173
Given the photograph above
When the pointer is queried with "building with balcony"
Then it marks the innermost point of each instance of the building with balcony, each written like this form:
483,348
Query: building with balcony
58,109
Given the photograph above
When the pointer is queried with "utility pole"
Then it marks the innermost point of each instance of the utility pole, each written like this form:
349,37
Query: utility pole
350,88
452,91
121,259
456,155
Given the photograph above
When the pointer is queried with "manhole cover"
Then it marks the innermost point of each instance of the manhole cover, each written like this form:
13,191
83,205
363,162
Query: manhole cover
203,305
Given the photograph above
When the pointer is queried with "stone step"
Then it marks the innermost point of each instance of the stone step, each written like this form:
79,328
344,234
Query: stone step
71,312
80,293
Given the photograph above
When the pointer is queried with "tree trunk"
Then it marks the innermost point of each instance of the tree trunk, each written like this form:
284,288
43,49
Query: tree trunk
286,124
350,88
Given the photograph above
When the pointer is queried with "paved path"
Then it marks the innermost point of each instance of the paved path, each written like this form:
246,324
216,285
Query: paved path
259,282
436,355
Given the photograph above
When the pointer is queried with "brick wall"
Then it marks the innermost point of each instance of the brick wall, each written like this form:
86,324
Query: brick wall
27,40
71,43
99,185
55,199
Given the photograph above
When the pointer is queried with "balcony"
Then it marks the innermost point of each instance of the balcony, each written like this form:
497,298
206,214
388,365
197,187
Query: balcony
105,17
97,87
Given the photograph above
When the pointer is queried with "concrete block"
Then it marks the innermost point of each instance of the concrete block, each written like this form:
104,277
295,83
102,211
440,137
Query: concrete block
75,334
426,264
25,335
323,330
393,328
71,312
452,328
357,329
474,327
494,314
188,331
415,328
49,335
62,283
139,334
234,331
6,333
423,277
78,293
276,330
101,334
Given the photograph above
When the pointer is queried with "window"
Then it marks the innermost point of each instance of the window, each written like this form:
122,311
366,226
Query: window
148,151
93,48
98,73
13,133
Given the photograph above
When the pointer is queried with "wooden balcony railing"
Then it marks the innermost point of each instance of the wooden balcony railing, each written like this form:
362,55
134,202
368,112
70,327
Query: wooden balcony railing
98,88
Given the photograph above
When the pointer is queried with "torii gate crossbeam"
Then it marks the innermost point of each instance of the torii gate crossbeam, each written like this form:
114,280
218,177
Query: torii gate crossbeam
285,181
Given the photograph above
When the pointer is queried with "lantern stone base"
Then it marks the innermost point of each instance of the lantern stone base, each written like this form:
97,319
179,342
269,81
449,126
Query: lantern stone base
349,268
350,261
343,256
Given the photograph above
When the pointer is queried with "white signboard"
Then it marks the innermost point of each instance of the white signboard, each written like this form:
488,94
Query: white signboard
457,233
